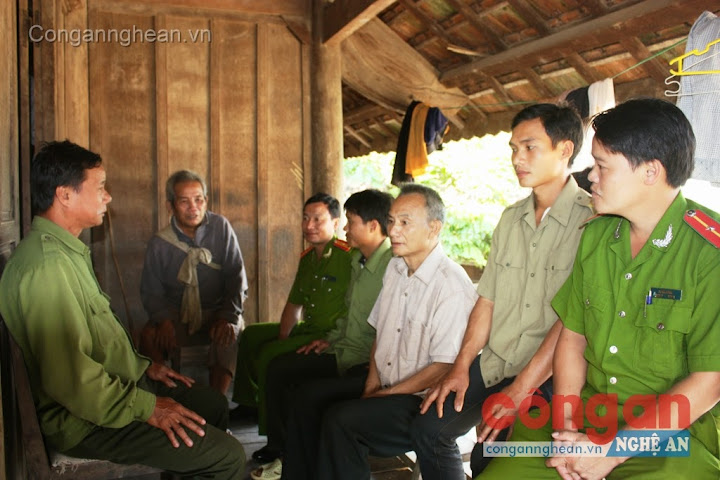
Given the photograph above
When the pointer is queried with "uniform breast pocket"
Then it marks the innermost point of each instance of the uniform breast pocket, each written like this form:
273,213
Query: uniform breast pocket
597,307
510,271
103,325
661,342
557,269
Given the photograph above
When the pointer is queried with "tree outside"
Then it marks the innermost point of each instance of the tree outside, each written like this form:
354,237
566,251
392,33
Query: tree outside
475,179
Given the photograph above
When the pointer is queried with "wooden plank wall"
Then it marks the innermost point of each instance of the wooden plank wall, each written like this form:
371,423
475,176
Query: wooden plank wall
233,108
9,213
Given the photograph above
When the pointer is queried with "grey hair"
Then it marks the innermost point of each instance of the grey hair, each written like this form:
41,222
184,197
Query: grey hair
433,203
182,176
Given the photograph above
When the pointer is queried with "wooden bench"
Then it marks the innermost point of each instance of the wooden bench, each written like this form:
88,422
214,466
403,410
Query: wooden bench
41,464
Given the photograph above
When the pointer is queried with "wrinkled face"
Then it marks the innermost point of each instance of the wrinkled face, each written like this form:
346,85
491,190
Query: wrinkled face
317,225
189,207
411,235
357,232
89,204
535,160
615,185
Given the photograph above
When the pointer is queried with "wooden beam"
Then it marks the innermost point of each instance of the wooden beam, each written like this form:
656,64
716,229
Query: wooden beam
478,24
357,136
293,8
365,112
380,66
528,14
646,16
655,68
576,61
426,20
536,81
595,7
342,17
498,88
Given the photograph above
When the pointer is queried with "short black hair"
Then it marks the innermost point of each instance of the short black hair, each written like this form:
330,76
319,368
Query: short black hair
332,203
58,164
370,205
561,122
645,129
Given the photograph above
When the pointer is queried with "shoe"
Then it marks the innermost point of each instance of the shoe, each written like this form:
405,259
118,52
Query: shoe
241,412
269,471
266,454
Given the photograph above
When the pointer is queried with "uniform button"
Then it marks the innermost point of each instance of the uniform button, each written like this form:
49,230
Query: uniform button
507,264
628,276
315,276
329,289
613,349
389,363
532,274
661,326
398,330
313,289
527,305
613,380
534,244
312,305
587,301
621,314
405,294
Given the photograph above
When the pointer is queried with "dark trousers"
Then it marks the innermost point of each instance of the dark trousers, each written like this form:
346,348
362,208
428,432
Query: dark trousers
435,439
392,425
216,455
284,374
311,401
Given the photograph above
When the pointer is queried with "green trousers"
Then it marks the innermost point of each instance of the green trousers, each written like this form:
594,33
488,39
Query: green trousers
258,345
217,455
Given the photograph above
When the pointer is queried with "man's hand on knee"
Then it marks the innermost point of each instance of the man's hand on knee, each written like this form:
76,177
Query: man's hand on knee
457,380
172,418
165,374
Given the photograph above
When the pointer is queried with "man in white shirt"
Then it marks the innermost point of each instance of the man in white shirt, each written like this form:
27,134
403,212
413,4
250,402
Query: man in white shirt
420,318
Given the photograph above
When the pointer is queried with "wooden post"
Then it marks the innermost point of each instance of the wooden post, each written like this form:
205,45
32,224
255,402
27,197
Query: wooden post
326,110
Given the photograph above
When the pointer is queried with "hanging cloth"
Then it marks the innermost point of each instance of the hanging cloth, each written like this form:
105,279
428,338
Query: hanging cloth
703,110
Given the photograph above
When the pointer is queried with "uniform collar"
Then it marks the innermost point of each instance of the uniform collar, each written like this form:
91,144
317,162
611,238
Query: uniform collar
664,233
561,209
43,225
373,262
667,228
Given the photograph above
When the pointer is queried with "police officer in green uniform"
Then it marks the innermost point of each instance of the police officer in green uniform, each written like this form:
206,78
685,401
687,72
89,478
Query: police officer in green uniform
641,310
316,301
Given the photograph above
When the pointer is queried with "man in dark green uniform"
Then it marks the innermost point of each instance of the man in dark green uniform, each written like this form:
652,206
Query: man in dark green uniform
316,301
640,310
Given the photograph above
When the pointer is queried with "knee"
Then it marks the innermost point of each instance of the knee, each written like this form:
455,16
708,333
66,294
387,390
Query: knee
234,460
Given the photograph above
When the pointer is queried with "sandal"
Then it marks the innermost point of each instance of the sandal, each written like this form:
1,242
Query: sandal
269,471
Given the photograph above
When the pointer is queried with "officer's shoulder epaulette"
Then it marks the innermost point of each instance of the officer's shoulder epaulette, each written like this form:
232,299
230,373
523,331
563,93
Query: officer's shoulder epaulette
706,226
342,245
306,251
